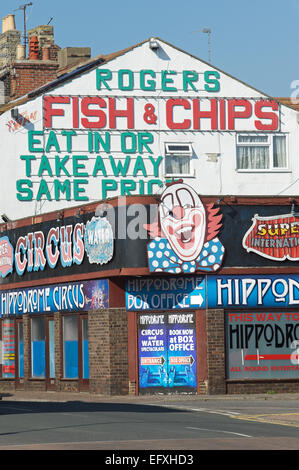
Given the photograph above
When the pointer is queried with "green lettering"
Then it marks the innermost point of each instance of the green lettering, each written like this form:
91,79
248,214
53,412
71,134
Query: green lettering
28,159
123,139
151,183
43,191
108,185
126,186
78,166
165,80
64,188
139,166
78,190
99,141
69,135
59,165
189,76
102,76
145,138
150,85
44,166
212,81
120,168
24,193
99,166
32,141
130,75
52,142
155,164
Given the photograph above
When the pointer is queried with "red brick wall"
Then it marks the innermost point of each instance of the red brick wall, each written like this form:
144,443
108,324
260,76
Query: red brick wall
215,352
31,75
108,352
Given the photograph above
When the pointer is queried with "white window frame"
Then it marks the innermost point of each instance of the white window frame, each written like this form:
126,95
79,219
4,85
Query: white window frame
268,143
185,151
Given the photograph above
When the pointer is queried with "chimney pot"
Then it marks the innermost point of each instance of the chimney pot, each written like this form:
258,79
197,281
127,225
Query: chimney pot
8,23
33,48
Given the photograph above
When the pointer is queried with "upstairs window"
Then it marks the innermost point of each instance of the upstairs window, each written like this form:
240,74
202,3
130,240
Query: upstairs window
261,152
178,159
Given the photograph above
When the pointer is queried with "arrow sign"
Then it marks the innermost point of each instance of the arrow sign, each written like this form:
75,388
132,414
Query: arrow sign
181,360
196,300
271,357
152,361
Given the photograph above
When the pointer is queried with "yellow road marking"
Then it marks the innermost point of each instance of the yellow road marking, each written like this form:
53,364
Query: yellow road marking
270,418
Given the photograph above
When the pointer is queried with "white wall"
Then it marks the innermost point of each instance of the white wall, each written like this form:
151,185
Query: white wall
216,175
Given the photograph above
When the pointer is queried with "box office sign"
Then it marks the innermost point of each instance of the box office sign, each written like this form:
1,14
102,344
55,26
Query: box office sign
252,291
274,237
86,295
165,293
167,352
262,345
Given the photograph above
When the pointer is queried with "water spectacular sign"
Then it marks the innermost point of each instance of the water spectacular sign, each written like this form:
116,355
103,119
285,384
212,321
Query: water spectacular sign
167,352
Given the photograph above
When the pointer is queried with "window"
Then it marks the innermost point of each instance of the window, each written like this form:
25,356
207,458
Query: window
8,349
20,353
70,347
178,159
38,348
76,348
261,152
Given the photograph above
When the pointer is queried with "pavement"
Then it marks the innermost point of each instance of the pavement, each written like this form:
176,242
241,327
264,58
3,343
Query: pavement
181,401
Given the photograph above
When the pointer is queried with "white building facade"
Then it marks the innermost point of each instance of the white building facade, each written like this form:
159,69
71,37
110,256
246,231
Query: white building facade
132,121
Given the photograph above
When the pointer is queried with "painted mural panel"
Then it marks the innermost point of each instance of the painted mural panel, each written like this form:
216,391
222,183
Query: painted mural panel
262,345
167,352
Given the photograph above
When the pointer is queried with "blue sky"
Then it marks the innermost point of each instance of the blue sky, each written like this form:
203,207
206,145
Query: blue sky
256,41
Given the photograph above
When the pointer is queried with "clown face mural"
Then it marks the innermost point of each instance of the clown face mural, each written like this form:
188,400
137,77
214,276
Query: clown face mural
184,237
183,221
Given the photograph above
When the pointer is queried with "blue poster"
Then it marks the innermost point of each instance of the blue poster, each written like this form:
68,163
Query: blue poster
153,353
181,351
167,352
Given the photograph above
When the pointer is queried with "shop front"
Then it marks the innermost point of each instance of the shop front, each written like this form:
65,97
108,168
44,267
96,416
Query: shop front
143,295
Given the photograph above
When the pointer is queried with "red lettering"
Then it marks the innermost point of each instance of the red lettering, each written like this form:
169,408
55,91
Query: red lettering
100,102
39,242
211,114
66,245
52,257
273,126
234,114
127,113
75,103
21,264
30,251
169,114
78,249
222,119
49,111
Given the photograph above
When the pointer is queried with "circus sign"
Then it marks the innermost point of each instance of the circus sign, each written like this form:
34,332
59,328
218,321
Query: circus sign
274,237
184,236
